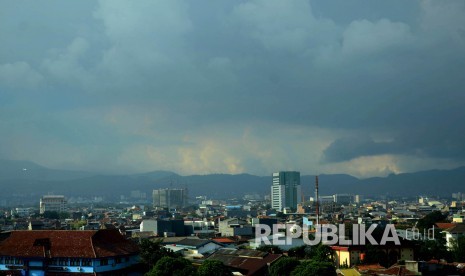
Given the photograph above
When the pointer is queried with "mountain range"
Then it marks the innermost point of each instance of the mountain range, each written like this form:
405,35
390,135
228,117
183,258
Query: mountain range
30,179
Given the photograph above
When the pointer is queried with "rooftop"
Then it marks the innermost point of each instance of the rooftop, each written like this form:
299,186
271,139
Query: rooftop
63,243
248,261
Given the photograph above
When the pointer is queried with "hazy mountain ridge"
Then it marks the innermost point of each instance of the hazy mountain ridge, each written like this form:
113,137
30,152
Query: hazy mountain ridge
28,178
19,169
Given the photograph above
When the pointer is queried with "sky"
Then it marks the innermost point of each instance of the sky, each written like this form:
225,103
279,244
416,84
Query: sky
366,88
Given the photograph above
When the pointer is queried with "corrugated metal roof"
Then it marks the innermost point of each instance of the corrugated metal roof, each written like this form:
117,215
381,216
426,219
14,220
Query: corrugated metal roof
249,261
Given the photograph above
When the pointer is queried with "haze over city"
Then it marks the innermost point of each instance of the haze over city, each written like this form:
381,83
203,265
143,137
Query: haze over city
361,87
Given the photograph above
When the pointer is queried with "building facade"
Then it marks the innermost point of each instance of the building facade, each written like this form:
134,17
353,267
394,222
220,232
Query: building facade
343,198
66,252
234,227
53,203
166,227
285,190
169,198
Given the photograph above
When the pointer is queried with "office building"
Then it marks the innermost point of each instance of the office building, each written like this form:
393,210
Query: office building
343,198
285,190
169,198
53,203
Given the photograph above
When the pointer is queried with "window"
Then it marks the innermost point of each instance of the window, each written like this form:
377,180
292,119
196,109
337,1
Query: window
74,262
103,262
8,260
118,260
86,262
54,261
63,261
18,261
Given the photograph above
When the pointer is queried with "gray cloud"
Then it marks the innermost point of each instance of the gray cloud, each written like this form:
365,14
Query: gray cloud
176,85
344,149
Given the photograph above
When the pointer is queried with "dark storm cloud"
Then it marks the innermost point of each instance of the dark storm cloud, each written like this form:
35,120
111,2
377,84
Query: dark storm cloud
344,149
293,82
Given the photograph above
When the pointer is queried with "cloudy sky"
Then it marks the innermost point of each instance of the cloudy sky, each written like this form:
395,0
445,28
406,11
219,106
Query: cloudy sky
360,87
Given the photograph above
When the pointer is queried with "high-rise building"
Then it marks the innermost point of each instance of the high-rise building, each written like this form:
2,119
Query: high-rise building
343,198
285,190
53,203
169,198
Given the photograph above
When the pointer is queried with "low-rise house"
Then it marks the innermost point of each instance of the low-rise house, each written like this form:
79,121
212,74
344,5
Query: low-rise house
226,241
453,233
235,227
192,247
36,225
458,218
350,255
67,252
278,239
166,227
245,262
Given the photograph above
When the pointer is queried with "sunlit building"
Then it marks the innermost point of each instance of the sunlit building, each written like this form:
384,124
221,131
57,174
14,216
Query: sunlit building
285,190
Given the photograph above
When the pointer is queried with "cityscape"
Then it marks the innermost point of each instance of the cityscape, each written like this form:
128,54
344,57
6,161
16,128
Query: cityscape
249,235
215,138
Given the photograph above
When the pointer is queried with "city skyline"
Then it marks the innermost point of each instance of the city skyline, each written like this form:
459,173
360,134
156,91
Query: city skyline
362,88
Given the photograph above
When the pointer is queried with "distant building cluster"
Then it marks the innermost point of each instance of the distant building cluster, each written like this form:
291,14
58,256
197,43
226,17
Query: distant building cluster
97,238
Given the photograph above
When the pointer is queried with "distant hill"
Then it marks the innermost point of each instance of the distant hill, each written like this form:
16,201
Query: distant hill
17,169
432,182
30,179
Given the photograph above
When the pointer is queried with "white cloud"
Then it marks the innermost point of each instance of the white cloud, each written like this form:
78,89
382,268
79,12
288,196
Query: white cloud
444,19
365,37
65,65
143,33
284,25
19,75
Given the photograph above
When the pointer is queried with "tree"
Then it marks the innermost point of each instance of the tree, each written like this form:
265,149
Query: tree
77,224
213,267
314,268
374,255
170,266
63,215
283,266
273,249
458,249
51,215
300,252
152,251
430,219
425,250
321,253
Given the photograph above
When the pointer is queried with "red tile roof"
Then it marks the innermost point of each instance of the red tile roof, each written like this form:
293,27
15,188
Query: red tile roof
63,243
223,240
369,267
445,225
